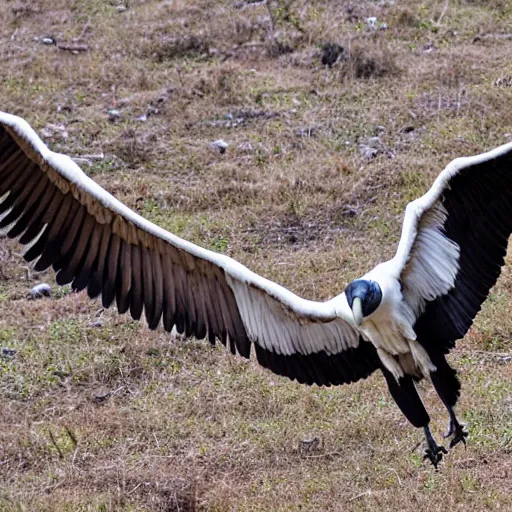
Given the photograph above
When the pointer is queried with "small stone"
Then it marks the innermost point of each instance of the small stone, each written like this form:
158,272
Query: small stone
48,40
54,130
371,22
331,53
41,290
310,444
152,111
7,353
428,47
383,26
121,8
307,131
113,114
367,152
143,118
220,145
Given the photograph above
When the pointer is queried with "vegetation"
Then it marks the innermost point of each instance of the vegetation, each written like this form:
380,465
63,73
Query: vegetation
99,413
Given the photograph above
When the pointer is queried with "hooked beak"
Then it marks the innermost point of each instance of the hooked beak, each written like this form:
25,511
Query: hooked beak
357,310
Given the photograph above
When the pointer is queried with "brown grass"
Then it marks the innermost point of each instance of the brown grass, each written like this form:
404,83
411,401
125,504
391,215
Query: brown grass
100,414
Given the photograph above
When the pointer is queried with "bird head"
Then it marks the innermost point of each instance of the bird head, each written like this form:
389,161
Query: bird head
363,297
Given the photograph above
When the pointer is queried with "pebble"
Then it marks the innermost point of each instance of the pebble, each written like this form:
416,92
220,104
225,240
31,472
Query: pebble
41,290
113,114
220,145
368,152
307,131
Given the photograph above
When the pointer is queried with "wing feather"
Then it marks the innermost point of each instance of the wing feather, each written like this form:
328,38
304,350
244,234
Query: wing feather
453,245
96,242
136,297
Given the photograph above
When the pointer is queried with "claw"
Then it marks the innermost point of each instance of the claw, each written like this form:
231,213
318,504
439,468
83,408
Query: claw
458,432
435,454
460,435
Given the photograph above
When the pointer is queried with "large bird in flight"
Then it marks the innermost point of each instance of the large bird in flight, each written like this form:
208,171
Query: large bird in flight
401,318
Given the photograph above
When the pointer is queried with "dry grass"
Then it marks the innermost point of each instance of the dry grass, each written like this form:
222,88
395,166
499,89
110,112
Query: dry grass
100,414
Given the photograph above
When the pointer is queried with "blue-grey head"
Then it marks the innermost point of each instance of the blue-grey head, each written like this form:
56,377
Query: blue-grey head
363,297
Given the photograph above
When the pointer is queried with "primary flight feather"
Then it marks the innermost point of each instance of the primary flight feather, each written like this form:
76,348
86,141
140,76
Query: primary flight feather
402,317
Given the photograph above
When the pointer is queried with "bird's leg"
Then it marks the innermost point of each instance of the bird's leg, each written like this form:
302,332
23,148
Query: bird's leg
447,385
455,429
434,452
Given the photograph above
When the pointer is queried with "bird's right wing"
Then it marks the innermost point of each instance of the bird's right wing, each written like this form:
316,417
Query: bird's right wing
93,241
454,241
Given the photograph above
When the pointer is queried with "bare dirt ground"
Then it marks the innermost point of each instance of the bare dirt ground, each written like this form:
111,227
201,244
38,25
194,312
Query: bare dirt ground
100,414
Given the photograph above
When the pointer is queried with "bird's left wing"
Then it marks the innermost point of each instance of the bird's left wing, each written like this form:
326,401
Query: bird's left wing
453,244
93,241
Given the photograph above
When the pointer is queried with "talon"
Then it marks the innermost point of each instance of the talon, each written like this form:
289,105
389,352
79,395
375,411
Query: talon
435,455
460,436
450,431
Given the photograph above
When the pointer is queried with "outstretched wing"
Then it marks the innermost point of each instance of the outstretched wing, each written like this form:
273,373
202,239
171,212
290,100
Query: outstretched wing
453,245
93,241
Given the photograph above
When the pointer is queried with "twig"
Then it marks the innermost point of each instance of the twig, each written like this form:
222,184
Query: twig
54,442
73,47
98,156
369,492
397,477
74,457
134,489
86,27
323,455
442,13
415,447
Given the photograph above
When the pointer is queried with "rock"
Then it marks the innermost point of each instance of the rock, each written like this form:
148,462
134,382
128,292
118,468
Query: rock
113,114
7,353
428,47
121,8
152,111
368,152
306,131
311,444
220,146
41,290
143,118
48,40
54,130
371,22
331,53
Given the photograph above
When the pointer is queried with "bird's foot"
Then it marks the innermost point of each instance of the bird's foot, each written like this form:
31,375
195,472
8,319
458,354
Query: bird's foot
457,432
435,454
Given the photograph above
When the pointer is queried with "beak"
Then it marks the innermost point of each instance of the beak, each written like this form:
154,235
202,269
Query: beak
357,311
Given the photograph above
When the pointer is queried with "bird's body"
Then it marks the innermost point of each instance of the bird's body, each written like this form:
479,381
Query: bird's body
402,317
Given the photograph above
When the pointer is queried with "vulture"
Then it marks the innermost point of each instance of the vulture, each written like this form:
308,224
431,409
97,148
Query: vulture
402,317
